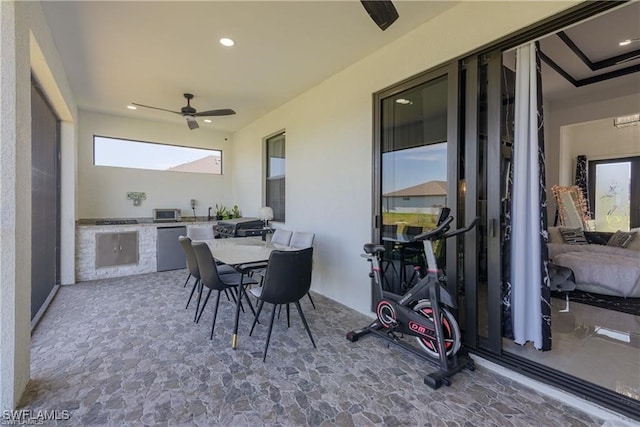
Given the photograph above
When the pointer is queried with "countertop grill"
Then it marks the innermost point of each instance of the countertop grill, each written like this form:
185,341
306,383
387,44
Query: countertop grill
238,227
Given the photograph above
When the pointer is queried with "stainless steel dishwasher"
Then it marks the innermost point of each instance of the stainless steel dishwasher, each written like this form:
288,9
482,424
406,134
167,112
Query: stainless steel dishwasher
170,253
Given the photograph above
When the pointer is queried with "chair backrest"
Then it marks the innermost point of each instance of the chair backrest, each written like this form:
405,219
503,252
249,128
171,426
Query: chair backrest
301,240
288,276
192,262
390,230
411,230
208,270
281,237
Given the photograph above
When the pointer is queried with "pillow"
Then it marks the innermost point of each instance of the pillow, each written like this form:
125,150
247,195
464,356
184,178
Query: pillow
597,237
634,245
573,236
621,239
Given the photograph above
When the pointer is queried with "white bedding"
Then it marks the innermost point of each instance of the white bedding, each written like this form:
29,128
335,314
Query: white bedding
602,269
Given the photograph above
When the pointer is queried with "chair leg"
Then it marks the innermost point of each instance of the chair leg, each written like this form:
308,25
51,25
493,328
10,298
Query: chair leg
227,295
255,319
186,281
311,299
233,296
266,346
215,314
288,317
304,321
192,291
246,297
198,302
203,306
237,301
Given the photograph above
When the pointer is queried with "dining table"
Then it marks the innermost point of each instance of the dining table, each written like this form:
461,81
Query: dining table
242,253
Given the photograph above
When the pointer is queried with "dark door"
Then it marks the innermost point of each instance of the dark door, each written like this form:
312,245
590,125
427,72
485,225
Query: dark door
45,197
485,146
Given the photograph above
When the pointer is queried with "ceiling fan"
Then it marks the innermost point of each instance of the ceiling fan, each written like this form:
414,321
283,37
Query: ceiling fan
383,12
190,113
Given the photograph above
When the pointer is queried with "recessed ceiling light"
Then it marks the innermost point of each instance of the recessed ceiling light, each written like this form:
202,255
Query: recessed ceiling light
403,101
225,41
207,120
628,41
132,107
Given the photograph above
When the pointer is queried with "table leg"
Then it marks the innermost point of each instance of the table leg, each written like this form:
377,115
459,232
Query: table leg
234,339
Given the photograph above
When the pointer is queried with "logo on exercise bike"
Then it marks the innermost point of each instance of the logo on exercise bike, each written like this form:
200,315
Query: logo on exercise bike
421,329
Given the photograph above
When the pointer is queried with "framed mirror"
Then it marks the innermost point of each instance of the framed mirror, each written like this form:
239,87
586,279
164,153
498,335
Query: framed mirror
572,208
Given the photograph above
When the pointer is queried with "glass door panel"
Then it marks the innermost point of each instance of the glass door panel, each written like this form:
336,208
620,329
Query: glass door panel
413,175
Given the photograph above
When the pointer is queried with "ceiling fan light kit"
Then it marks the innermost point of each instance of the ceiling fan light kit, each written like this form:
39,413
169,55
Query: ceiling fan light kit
190,113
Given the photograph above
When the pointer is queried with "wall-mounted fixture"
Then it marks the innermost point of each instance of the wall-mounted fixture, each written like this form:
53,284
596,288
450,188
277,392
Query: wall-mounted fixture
630,120
193,202
137,197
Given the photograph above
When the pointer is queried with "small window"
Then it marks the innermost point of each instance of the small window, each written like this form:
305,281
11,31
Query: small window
275,179
123,153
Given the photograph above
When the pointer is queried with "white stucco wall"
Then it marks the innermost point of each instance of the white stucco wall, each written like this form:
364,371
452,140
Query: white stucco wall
15,204
329,138
25,46
102,190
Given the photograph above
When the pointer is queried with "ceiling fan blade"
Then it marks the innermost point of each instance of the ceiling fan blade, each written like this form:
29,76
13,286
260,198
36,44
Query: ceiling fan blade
383,12
191,122
156,108
221,112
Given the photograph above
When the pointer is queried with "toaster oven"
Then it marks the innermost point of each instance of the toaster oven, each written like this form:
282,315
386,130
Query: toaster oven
166,215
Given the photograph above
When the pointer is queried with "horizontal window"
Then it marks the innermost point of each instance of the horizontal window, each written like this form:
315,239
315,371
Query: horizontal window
123,153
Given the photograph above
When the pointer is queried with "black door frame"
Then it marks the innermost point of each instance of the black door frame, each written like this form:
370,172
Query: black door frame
451,71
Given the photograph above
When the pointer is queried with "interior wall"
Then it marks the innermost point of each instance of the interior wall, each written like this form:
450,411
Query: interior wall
597,140
563,144
329,139
102,190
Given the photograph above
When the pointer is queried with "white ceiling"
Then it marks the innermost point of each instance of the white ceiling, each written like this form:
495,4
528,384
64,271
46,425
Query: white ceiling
598,39
149,52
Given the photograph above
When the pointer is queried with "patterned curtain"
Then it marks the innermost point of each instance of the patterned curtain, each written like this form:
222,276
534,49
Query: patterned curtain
581,180
526,292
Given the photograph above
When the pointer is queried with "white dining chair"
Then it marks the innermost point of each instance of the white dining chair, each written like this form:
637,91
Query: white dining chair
301,240
281,237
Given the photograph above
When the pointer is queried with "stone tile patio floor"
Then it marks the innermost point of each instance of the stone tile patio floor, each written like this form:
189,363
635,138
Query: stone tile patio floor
126,352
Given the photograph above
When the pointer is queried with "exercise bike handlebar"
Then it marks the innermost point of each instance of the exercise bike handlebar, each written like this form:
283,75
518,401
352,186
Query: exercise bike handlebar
440,232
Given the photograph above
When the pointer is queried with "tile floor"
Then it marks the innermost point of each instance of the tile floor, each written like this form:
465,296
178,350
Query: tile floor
126,352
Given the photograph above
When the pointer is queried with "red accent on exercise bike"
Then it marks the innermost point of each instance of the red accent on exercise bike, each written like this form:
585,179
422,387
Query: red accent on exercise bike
446,328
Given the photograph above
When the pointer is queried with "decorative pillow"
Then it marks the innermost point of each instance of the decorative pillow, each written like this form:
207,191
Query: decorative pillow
621,239
597,237
635,242
573,236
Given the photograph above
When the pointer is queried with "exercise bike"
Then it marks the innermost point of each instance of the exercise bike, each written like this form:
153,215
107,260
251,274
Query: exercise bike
413,313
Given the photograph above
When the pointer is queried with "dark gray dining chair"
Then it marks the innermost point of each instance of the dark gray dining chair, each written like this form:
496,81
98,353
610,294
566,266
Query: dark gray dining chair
210,278
287,280
194,271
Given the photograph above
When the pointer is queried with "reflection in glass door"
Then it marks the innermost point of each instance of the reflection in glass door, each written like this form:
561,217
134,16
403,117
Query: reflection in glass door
413,174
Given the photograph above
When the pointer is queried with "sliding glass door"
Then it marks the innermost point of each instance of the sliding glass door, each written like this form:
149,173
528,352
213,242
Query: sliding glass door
416,173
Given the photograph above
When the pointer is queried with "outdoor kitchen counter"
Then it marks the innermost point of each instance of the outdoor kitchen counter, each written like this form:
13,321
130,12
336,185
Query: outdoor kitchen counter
146,235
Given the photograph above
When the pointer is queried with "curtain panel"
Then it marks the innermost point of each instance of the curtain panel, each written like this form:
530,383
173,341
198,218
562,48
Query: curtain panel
527,280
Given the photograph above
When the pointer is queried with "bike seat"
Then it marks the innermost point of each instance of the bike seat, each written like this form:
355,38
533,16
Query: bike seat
372,248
